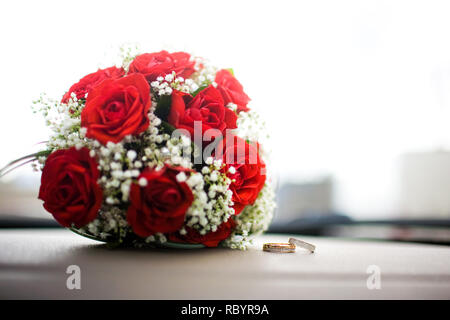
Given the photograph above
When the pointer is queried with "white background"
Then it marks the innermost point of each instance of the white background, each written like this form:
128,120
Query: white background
346,86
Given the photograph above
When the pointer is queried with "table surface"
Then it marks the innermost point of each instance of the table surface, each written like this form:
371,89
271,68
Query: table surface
33,264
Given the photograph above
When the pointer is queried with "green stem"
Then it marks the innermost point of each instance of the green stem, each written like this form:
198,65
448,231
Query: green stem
5,172
31,157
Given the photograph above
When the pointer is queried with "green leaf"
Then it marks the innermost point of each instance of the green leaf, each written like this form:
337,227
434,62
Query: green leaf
167,127
163,108
231,71
199,89
22,161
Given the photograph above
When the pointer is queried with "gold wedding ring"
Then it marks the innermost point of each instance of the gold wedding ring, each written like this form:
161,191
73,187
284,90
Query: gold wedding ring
279,247
288,247
302,244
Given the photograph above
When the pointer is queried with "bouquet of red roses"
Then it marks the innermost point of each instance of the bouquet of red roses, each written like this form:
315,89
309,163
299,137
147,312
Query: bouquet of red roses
159,150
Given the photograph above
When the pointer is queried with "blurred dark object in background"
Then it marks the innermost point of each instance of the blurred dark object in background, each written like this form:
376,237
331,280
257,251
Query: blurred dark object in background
307,208
433,231
313,197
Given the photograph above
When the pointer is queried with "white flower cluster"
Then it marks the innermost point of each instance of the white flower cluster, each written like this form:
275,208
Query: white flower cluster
251,127
205,73
118,170
165,85
127,55
110,223
212,205
253,220
63,121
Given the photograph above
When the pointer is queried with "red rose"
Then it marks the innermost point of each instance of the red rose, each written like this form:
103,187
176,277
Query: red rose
69,187
91,80
231,90
178,107
117,108
153,65
207,106
210,239
161,205
249,176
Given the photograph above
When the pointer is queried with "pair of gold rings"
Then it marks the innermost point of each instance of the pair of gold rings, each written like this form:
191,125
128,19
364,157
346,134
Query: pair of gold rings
289,247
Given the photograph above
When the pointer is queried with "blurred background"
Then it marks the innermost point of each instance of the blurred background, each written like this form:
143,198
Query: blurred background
356,95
